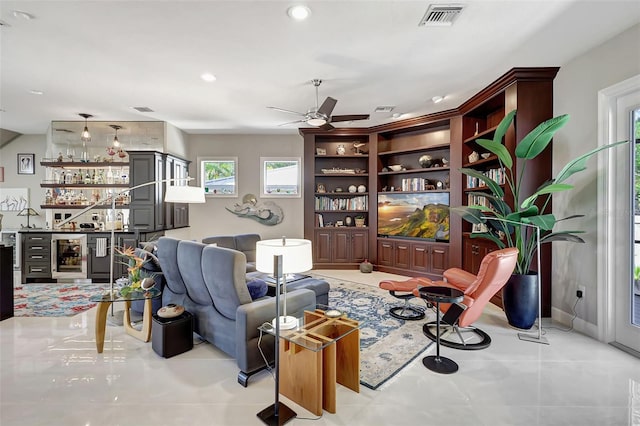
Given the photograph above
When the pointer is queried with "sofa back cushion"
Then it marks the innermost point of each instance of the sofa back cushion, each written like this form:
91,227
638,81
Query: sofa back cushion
246,243
223,270
221,241
167,255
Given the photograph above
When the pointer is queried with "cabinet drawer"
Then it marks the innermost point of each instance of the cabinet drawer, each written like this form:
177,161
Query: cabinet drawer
38,239
37,257
38,270
37,247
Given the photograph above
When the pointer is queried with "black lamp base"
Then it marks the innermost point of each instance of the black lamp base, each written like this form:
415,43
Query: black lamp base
440,364
268,415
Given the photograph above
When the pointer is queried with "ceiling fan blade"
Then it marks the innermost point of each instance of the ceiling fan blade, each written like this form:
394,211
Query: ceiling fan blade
352,117
287,111
292,122
327,106
326,126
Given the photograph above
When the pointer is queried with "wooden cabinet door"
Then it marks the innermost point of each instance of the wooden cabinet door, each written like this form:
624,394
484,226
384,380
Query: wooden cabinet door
402,256
439,259
341,246
359,246
180,210
322,246
419,257
385,253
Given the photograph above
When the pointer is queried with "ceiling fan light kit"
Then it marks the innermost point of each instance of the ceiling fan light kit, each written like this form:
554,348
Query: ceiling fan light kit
320,116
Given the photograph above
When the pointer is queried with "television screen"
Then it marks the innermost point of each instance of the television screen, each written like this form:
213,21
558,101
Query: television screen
414,215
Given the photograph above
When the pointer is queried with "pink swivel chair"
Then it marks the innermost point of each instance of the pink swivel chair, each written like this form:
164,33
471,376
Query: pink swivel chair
495,270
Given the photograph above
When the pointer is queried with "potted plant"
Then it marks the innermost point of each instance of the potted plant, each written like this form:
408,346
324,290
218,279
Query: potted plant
359,220
514,224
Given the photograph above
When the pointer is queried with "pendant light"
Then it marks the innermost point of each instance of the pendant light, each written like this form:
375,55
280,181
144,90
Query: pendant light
115,127
85,136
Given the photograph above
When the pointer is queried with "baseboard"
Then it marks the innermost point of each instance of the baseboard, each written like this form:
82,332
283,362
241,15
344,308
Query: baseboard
579,324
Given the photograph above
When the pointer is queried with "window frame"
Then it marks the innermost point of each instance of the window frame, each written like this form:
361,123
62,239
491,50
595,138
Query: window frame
201,179
263,172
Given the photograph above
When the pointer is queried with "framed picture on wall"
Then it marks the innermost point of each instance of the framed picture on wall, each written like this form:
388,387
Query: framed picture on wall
26,164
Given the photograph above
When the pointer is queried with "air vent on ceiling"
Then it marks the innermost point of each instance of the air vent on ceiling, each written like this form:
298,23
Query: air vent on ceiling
143,109
64,130
387,108
441,15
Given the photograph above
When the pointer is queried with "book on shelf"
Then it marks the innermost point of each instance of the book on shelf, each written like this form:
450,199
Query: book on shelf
332,203
319,221
497,175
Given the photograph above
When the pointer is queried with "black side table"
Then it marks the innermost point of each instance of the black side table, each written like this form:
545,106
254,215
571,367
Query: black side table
438,295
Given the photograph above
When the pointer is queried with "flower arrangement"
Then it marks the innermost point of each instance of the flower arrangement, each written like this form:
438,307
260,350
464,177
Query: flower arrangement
134,268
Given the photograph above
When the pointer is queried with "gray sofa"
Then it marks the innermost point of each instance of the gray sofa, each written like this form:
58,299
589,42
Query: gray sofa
246,243
210,283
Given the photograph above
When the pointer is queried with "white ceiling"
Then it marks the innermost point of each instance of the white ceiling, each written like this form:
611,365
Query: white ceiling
104,57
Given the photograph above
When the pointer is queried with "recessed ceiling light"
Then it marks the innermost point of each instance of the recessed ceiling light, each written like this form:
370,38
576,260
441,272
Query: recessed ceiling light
208,77
299,12
36,92
397,115
437,99
23,15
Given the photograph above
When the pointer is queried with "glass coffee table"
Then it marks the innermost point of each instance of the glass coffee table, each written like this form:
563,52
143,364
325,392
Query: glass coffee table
105,300
322,350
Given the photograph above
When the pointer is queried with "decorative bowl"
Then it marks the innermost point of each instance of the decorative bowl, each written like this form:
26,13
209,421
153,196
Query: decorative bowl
395,167
485,155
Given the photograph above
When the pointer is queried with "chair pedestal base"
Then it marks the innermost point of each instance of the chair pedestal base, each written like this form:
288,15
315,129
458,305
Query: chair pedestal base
440,364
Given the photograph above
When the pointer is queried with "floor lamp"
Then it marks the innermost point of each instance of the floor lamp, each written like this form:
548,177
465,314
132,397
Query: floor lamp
173,194
280,257
525,336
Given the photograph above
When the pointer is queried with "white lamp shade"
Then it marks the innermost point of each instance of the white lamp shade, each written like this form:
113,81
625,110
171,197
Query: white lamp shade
184,194
296,255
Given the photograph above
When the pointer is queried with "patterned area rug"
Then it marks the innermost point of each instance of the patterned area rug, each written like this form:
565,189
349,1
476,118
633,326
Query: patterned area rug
53,300
387,344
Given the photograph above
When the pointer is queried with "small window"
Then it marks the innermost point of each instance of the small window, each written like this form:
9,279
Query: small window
280,177
218,176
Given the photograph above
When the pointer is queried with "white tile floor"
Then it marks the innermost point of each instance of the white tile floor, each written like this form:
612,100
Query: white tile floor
52,375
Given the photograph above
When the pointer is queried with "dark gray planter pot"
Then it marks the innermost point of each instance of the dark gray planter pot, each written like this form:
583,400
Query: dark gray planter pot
520,300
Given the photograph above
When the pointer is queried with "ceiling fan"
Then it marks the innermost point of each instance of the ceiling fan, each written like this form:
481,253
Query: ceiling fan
320,116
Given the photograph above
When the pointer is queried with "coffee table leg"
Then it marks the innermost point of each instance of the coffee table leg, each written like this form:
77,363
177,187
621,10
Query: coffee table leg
143,334
101,324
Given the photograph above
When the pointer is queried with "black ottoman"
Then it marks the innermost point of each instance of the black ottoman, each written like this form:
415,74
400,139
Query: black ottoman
172,336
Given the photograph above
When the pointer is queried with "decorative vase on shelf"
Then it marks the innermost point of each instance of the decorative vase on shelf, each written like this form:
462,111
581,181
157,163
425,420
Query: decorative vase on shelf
366,267
425,161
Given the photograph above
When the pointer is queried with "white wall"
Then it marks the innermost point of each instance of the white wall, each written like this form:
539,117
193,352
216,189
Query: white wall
29,144
212,218
576,93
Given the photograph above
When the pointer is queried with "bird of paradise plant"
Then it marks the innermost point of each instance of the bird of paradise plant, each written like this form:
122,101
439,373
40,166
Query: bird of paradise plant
500,217
134,269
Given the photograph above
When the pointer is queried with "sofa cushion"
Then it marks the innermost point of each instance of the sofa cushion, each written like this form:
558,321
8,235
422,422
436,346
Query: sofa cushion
257,288
221,241
246,243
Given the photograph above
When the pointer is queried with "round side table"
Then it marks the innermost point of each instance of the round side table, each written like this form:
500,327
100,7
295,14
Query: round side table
437,295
